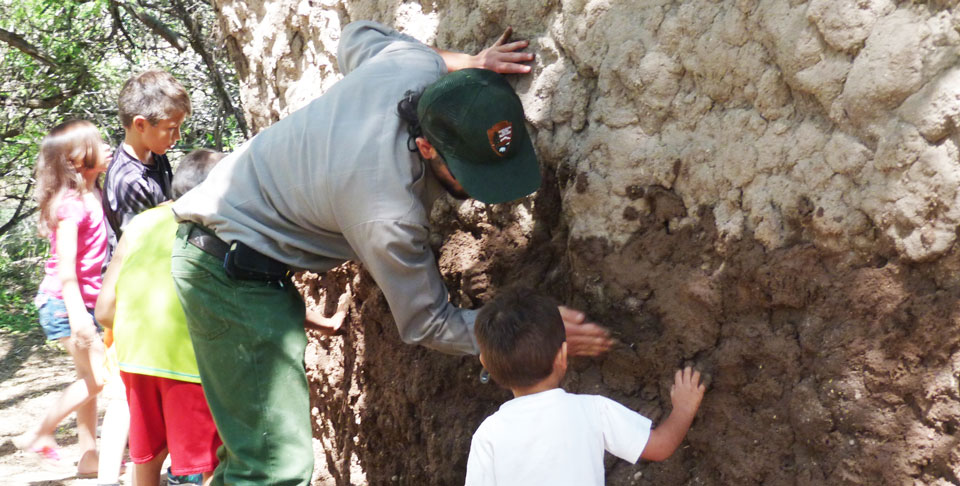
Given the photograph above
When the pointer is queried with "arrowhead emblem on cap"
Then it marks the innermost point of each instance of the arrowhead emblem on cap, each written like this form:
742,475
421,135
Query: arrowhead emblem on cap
500,136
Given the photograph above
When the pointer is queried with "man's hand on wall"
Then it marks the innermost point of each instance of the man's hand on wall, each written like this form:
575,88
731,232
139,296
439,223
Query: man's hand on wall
502,57
584,338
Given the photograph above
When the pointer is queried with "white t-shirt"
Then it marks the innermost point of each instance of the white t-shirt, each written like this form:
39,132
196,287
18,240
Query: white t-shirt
554,438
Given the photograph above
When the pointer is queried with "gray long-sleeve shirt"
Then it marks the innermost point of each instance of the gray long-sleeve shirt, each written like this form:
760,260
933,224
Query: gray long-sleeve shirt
334,181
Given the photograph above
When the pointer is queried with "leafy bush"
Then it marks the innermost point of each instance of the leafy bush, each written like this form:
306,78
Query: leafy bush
22,255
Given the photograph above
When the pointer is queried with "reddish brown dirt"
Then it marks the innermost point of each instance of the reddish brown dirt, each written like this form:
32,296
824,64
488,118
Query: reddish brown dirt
822,368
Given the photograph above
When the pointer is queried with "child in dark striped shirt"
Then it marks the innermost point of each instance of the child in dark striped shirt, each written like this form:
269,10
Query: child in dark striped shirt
152,106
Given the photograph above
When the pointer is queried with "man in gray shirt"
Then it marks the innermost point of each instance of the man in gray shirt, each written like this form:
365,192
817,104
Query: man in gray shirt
337,181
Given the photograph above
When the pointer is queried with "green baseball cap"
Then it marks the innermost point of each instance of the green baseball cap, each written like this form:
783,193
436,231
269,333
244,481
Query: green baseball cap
475,120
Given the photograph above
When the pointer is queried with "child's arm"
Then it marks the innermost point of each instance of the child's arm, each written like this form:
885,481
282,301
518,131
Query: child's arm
329,325
686,393
106,307
82,328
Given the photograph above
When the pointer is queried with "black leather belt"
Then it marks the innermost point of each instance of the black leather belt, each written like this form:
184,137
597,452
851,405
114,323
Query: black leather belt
240,261
207,242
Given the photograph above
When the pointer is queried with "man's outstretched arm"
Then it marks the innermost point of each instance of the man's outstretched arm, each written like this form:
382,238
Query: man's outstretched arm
502,57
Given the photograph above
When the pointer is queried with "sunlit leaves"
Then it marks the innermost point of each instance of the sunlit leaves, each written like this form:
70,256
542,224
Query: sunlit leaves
79,53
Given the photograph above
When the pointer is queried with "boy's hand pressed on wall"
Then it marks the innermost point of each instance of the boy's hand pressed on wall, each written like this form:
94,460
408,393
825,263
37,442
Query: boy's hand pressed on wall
584,338
687,391
685,395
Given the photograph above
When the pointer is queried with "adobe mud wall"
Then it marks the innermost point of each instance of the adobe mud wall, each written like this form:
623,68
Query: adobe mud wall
767,189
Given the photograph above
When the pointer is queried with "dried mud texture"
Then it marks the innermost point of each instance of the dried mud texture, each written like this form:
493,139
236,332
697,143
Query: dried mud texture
767,189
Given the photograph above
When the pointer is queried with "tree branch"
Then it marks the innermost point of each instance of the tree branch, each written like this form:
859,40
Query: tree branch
48,102
21,213
8,165
13,132
195,37
152,23
114,9
21,44
57,99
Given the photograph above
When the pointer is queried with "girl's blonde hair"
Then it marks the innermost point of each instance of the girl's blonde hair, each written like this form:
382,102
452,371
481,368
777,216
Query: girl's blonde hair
70,147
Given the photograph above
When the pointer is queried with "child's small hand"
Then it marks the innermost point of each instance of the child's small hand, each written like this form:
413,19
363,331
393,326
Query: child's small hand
687,391
686,394
330,326
84,332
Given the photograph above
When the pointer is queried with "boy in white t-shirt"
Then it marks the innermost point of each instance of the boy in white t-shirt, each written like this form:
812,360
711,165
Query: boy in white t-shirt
546,435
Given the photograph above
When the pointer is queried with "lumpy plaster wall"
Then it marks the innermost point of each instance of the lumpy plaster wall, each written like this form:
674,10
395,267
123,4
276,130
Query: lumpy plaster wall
767,189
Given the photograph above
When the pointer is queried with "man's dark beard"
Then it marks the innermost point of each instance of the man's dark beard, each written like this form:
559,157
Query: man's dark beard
458,194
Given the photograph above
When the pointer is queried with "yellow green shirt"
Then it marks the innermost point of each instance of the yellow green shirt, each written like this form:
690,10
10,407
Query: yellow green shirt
150,329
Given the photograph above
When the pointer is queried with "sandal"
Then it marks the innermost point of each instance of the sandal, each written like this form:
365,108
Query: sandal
47,452
87,475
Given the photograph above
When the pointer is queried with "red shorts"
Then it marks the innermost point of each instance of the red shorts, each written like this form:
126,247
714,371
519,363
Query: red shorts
170,414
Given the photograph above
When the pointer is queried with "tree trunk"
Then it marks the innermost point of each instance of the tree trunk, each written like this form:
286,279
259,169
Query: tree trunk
766,189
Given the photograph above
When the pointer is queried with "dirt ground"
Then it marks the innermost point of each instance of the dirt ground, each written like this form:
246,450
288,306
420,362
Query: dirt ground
32,373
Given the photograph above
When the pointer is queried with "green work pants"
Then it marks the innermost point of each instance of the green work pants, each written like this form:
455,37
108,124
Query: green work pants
250,342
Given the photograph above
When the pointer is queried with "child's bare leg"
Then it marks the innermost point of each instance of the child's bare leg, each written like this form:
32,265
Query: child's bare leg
89,363
148,473
75,395
207,478
113,434
66,403
87,437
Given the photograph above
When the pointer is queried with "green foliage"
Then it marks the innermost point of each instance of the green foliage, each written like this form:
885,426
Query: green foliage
65,59
22,255
17,312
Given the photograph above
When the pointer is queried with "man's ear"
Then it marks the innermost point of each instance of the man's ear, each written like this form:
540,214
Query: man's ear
426,149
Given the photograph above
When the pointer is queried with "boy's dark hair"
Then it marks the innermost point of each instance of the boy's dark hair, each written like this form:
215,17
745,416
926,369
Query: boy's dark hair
154,95
193,169
519,333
